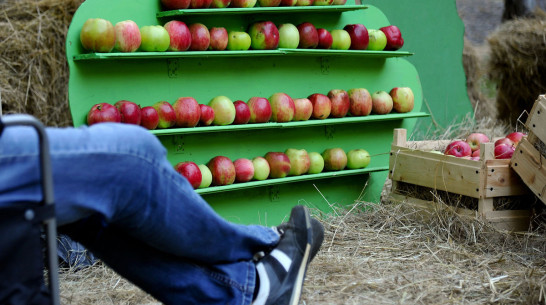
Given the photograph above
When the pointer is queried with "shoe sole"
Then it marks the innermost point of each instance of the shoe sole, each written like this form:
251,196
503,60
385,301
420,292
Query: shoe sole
298,286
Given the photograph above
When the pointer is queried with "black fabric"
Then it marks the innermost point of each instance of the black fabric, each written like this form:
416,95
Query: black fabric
1,126
22,254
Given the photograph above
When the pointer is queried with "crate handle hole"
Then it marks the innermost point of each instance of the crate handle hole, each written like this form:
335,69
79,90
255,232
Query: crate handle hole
515,164
491,189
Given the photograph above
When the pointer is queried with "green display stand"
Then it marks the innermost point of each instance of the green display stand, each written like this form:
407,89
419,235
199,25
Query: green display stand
146,78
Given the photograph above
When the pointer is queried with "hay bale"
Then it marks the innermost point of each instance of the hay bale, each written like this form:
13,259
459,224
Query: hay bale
33,66
517,64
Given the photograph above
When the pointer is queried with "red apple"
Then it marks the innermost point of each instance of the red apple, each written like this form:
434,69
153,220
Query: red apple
260,110
264,35
340,103
175,4
325,39
288,2
476,139
130,112
243,3
261,168
282,107
191,172
279,164
188,112
458,148
309,38
200,3
180,35
207,115
304,2
475,153
334,159
303,109
322,106
220,3
299,161
222,169
242,112
200,37
103,112
361,102
269,3
516,137
402,99
224,110
167,116
244,170
504,141
149,118
394,37
381,102
98,35
504,151
218,39
127,36
359,36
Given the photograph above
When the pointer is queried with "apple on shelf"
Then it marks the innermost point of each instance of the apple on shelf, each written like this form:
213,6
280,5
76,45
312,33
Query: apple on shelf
322,106
220,3
378,40
175,4
128,37
238,41
335,159
149,118
154,38
223,170
187,111
289,36
207,115
200,37
402,98
316,163
264,35
98,35
282,107
179,34
358,158
303,109
244,170
224,110
394,37
130,112
359,36
325,39
299,161
103,112
360,102
260,109
340,102
242,112
243,3
206,176
308,36
191,172
279,164
381,102
341,40
261,168
166,113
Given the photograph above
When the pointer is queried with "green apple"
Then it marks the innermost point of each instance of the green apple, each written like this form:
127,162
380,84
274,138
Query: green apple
206,179
316,163
299,161
98,35
238,41
358,158
224,110
341,40
289,36
378,40
155,38
261,168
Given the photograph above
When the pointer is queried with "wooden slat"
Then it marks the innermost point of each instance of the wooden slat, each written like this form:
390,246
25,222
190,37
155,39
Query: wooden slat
537,119
501,180
530,165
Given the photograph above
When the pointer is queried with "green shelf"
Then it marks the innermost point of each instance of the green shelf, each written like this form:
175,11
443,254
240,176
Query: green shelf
289,179
261,10
330,52
299,124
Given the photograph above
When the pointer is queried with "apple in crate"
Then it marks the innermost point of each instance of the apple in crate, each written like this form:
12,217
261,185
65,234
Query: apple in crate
358,158
269,3
191,172
175,4
218,39
289,36
459,149
130,112
243,3
180,36
334,159
167,116
260,109
303,109
222,169
378,40
282,107
304,2
149,118
504,151
187,111
244,170
340,103
361,102
308,35
394,37
224,110
264,35
279,164
238,41
242,112
155,38
128,37
325,39
475,153
402,98
206,179
200,37
316,163
504,141
476,139
322,106
207,115
299,161
359,36
261,168
103,112
220,3
98,35
516,137
381,102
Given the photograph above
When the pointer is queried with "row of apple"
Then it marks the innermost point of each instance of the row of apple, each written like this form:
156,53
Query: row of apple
470,147
99,35
280,108
200,4
220,170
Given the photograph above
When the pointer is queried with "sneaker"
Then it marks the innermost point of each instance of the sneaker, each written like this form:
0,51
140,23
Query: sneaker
318,235
282,271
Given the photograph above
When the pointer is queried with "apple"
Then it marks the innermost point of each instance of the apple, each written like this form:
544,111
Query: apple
127,36
341,40
304,2
130,112
504,151
190,170
334,159
475,153
339,2
188,112
269,3
242,112
325,39
220,3
175,4
289,36
180,36
516,137
261,168
260,110
218,39
361,102
282,107
303,109
207,115
402,99
224,110
288,2
200,37
504,141
458,148
222,169
103,112
279,164
244,170
476,139
98,35
264,35
358,158
206,175
381,102
243,3
308,36
167,116
238,41
200,3
378,40
359,36
155,38
394,37
322,106
316,163
299,161
340,103
473,158
149,118
323,2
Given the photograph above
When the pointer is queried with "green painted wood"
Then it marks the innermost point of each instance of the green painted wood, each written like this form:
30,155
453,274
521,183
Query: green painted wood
146,78
260,10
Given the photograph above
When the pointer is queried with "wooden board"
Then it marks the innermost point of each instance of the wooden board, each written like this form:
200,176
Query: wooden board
530,165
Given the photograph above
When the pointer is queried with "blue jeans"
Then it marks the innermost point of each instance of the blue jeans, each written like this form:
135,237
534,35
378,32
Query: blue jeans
118,195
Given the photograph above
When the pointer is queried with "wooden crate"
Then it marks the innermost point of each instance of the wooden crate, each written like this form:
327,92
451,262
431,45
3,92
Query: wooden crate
529,160
486,181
